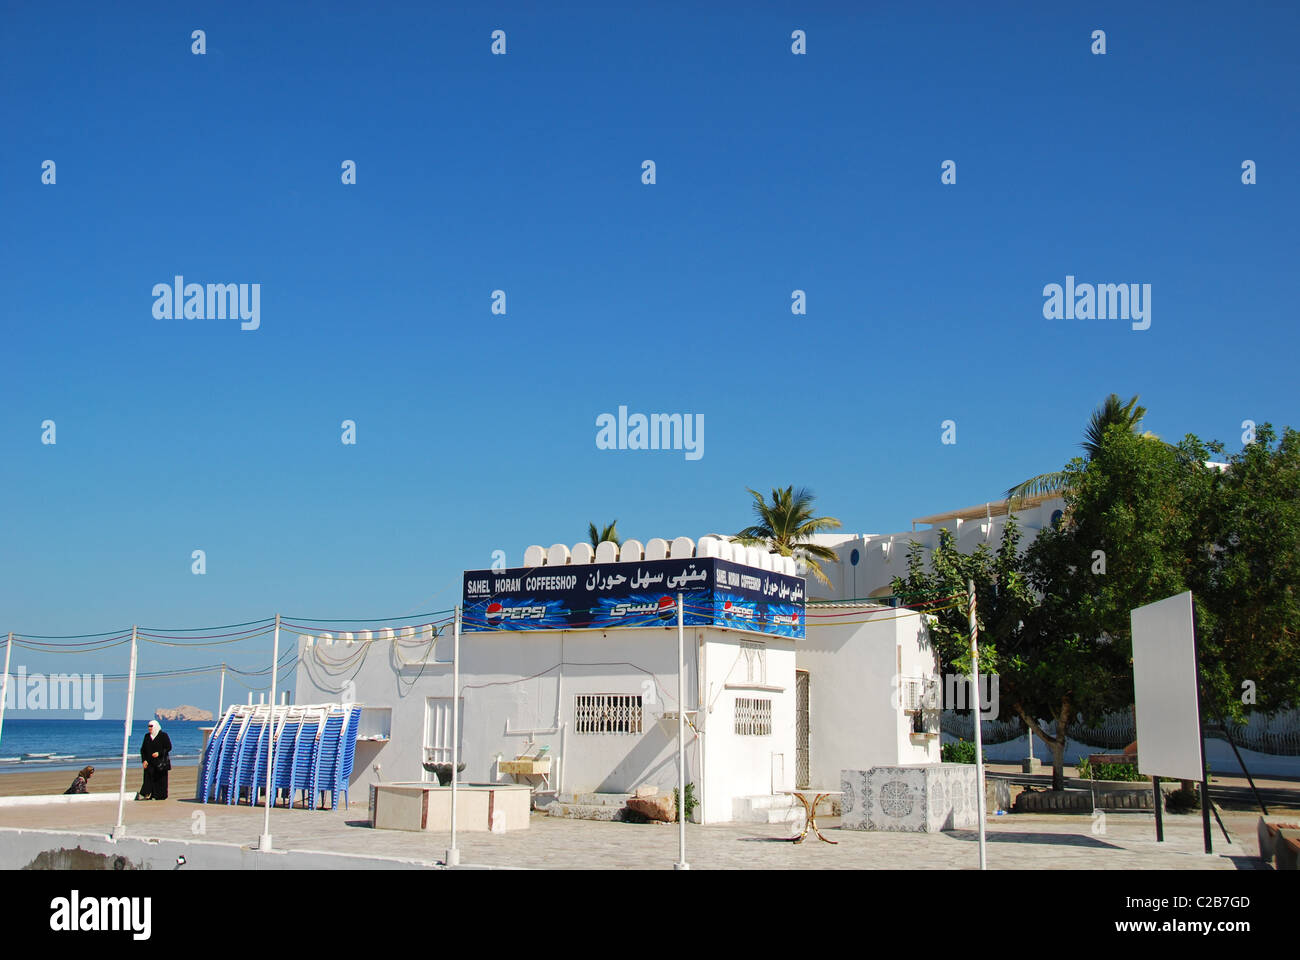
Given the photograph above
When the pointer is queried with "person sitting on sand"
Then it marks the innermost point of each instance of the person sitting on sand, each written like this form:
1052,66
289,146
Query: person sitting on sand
79,784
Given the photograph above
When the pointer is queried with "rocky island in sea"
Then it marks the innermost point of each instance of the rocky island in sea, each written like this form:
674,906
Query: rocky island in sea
184,712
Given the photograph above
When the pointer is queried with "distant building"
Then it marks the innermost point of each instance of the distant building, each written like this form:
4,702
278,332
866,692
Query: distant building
869,562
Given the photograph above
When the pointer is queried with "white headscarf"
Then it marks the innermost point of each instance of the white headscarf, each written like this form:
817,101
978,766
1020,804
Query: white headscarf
155,728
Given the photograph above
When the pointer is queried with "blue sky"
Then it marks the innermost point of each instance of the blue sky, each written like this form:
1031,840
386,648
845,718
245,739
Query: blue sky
522,172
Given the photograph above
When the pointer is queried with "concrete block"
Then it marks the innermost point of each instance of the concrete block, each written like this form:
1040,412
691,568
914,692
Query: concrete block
917,798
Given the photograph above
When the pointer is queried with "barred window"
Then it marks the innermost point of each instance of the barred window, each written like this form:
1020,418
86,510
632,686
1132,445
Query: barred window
607,713
753,717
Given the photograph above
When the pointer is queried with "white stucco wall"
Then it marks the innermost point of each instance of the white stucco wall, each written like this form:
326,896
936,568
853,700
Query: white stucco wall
518,691
739,665
856,719
881,557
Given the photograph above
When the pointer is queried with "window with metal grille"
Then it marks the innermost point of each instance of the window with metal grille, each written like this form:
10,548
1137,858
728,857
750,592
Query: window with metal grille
753,717
607,713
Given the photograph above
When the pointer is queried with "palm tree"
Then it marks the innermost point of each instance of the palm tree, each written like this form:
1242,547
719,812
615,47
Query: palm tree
786,526
610,533
1113,411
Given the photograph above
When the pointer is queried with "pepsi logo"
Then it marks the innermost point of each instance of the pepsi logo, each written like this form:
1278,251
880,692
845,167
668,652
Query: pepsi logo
740,613
497,612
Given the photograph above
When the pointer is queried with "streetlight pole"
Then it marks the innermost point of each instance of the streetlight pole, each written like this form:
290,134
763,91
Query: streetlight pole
453,853
979,738
4,682
264,843
120,829
681,863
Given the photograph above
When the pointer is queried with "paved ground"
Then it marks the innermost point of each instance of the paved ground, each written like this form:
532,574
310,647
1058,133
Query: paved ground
1025,841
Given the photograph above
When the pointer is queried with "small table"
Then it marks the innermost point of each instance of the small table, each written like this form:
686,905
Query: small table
810,811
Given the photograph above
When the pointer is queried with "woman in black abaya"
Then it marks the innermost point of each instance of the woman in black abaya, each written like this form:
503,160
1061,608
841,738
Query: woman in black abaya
155,751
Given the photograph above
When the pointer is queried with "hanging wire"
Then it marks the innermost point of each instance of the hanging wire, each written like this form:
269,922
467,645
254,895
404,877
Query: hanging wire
74,636
432,613
224,626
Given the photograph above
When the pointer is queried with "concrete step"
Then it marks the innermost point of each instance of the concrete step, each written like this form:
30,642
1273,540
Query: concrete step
595,799
586,811
776,808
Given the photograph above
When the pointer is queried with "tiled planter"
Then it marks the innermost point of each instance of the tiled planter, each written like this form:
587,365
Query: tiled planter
916,798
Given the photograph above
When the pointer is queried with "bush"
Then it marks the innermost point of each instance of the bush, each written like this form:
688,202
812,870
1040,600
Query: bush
1183,800
1107,771
959,751
691,802
1116,771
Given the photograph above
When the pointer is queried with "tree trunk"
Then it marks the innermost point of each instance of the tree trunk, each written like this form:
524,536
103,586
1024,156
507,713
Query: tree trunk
1055,744
1058,763
1058,747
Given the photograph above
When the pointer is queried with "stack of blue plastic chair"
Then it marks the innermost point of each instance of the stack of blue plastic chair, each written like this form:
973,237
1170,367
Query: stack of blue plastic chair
228,758
348,752
258,765
328,762
212,750
305,755
315,749
242,776
286,743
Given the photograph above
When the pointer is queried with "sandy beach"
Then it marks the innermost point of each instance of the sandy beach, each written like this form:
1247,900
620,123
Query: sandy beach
181,782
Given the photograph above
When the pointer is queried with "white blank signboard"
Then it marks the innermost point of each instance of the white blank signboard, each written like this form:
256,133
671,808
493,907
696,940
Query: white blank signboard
1164,685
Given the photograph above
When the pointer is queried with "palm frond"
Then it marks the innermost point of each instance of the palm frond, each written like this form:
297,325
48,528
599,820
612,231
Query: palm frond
785,525
609,532
1044,483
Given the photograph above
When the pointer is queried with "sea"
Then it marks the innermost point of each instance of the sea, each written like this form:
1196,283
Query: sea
37,744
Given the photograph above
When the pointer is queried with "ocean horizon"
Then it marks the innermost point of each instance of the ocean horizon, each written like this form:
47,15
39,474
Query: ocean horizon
28,744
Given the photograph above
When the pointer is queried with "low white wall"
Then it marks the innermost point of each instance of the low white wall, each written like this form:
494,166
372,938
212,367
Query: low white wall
1219,754
53,849
71,799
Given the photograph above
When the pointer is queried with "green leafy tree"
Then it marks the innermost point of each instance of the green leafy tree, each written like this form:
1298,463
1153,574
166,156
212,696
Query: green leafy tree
1246,579
786,525
609,532
1121,544
1143,521
1043,667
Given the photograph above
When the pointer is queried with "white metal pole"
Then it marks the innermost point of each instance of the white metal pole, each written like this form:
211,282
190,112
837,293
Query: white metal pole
979,738
681,863
221,693
264,843
120,829
4,682
453,854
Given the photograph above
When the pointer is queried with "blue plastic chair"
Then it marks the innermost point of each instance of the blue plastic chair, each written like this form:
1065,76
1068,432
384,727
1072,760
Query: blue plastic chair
328,757
304,759
211,753
242,776
228,758
348,751
286,745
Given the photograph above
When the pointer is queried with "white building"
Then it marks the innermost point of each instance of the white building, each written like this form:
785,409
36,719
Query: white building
771,704
868,562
